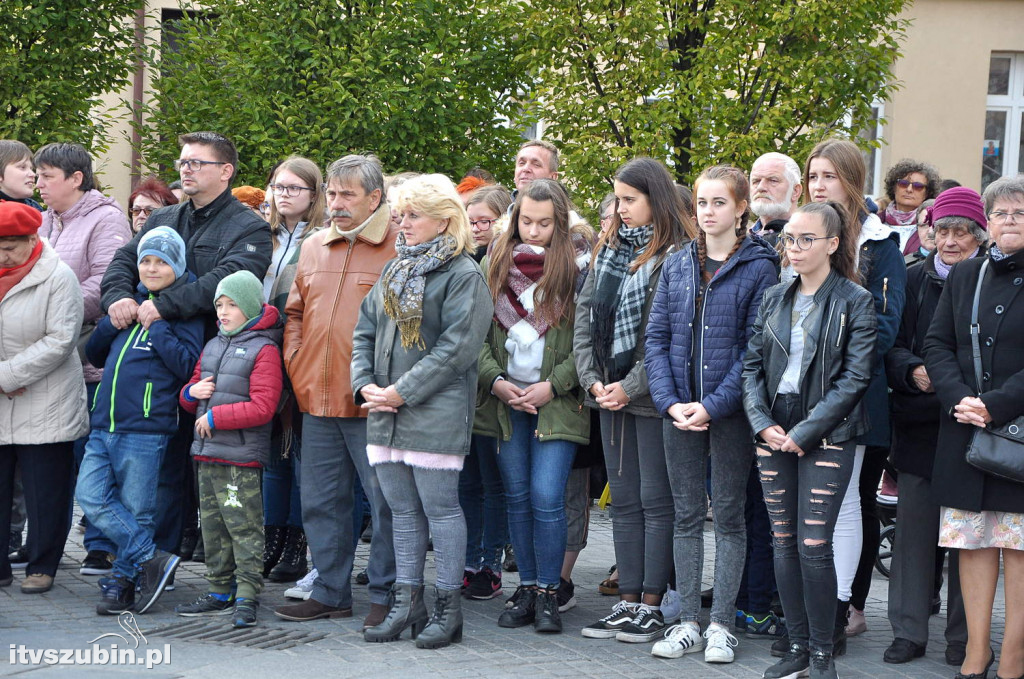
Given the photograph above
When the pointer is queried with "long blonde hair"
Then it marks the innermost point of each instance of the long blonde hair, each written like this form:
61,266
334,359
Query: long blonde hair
308,171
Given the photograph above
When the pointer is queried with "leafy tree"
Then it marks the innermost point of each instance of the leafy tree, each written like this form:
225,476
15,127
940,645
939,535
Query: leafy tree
703,81
56,58
422,84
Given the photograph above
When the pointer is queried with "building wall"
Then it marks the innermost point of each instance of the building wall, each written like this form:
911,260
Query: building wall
939,114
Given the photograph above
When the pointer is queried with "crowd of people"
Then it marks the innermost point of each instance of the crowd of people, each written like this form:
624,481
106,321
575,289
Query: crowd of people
244,376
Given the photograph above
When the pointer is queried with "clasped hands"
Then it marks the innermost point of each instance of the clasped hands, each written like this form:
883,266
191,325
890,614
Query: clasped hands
971,410
527,399
777,439
381,400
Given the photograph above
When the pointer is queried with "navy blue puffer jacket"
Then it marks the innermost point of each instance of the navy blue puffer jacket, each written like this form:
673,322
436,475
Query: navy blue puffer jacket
719,338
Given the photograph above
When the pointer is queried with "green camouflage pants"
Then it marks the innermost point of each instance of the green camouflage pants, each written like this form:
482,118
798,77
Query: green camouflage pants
231,513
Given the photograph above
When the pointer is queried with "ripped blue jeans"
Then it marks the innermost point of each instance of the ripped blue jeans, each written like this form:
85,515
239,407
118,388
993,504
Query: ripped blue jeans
803,496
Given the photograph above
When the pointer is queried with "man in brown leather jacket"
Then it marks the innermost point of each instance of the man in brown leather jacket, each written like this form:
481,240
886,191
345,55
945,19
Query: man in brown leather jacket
337,267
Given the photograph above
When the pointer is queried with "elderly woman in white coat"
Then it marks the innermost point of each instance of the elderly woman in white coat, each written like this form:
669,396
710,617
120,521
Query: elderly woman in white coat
42,391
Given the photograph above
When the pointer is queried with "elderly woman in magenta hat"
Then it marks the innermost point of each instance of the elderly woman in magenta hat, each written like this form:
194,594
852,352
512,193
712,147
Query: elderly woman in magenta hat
43,404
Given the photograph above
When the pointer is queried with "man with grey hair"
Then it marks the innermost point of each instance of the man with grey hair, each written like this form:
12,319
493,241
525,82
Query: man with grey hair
775,192
337,267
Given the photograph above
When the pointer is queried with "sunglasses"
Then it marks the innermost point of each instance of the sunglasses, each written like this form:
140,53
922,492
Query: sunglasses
917,186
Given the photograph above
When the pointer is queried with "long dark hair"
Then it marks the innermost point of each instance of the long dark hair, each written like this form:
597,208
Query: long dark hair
673,225
554,298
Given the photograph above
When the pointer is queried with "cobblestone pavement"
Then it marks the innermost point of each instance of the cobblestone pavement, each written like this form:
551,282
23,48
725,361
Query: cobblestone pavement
64,618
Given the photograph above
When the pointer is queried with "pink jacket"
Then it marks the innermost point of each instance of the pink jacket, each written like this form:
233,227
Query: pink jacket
90,233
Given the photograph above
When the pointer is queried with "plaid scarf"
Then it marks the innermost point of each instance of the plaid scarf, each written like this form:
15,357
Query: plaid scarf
619,297
403,283
523,275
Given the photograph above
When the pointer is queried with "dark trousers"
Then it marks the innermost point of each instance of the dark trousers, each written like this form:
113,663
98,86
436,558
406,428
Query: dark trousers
46,471
177,498
803,495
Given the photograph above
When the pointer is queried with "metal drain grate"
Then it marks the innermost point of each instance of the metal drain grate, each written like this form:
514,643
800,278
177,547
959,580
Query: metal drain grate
252,637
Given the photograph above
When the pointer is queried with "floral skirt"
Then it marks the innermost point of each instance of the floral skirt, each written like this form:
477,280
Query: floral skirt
962,529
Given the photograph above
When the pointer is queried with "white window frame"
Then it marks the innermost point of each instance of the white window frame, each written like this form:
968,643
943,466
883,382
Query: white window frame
1013,104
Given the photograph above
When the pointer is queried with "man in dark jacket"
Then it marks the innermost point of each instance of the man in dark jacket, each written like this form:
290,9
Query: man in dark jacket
221,236
775,191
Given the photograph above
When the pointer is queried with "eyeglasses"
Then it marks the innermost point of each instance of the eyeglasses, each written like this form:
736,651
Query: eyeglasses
482,224
801,242
265,207
1006,217
196,165
136,211
288,191
917,186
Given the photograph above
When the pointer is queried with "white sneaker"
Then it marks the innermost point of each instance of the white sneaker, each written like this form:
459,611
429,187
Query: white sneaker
303,588
671,606
720,644
679,640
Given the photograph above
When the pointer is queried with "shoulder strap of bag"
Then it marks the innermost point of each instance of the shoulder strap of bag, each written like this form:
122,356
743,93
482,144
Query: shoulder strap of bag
975,329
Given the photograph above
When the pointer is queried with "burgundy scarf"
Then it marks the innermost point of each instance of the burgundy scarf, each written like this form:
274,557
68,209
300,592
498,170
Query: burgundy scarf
526,270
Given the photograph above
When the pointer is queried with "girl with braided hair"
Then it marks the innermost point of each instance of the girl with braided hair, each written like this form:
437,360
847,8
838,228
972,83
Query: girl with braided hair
700,322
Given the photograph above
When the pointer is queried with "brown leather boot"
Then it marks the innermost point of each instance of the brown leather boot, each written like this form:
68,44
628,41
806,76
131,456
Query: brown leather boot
311,609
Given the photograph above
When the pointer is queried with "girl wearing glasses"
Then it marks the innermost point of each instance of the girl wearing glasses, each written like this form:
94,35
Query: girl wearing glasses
908,183
485,211
835,172
697,332
807,367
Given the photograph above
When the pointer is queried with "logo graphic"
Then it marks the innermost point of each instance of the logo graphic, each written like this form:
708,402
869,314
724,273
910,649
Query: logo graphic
128,623
232,500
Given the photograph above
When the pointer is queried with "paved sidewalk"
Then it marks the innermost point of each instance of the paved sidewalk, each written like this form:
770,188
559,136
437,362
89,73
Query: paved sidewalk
64,618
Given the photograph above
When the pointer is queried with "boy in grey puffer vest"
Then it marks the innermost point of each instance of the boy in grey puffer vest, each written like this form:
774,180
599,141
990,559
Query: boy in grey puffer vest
234,392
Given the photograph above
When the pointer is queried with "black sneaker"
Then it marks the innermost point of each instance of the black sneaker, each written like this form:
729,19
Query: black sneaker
362,578
780,647
484,585
245,613
516,595
509,564
795,663
611,624
153,578
547,619
97,562
822,666
207,604
566,595
647,626
523,612
117,596
19,557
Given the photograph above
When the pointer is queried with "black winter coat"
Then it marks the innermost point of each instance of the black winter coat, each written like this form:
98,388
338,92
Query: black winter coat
220,239
947,356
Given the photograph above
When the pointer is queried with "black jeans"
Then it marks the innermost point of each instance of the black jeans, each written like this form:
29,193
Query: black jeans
803,496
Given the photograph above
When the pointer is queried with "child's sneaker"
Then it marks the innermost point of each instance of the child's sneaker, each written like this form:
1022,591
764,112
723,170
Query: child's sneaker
719,645
153,578
485,584
647,626
741,621
613,623
117,596
245,613
303,588
769,626
679,640
206,604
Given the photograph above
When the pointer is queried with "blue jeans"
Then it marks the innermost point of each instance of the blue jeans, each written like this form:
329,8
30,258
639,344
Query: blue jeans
282,505
94,539
535,473
117,490
482,497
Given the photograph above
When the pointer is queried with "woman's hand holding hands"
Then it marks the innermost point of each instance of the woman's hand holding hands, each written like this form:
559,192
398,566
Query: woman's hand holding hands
378,400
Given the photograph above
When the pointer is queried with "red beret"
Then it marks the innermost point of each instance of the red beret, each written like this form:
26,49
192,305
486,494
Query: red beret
18,219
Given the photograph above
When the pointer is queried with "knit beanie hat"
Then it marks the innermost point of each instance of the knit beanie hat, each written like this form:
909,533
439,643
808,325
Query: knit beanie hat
249,195
959,201
165,243
245,290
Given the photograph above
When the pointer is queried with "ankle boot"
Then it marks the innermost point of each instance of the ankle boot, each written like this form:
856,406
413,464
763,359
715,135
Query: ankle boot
445,626
839,631
407,610
292,565
273,547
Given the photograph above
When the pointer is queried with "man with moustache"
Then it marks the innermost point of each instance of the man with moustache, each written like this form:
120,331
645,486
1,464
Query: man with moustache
337,267
775,192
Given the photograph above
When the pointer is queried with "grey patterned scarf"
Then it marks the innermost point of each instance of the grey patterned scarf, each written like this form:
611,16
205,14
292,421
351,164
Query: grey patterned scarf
403,283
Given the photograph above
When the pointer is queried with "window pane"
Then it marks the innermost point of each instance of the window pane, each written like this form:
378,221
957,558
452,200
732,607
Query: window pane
999,75
992,151
1020,149
870,132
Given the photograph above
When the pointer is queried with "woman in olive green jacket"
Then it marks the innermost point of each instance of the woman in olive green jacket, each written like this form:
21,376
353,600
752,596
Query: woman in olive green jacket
531,400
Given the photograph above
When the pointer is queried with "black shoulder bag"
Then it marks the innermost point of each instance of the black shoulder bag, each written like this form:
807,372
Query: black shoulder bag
998,451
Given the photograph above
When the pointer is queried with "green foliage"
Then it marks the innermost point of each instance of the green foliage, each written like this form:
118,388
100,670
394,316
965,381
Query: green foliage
423,84
57,57
700,82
